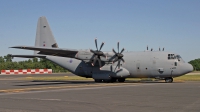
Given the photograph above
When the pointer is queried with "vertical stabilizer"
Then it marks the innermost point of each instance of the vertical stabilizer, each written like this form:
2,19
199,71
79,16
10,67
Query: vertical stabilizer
44,36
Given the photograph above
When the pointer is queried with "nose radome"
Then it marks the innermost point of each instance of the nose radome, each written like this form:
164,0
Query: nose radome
190,68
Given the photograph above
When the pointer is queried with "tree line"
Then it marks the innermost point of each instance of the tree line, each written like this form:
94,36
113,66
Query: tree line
6,63
196,64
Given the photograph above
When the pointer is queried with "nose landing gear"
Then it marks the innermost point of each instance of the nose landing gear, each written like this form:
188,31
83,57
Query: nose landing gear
169,80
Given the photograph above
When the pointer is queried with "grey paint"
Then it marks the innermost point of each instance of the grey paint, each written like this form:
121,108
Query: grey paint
44,35
150,64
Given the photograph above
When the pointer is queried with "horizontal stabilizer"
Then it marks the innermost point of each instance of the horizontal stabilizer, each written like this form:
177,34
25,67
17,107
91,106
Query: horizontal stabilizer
50,51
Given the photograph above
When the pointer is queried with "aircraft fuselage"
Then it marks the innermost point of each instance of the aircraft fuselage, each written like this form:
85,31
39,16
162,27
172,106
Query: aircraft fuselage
147,64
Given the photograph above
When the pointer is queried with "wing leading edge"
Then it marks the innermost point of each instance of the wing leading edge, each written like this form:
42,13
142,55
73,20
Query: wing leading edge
49,51
28,56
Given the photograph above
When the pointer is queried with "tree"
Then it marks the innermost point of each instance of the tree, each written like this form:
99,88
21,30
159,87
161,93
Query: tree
6,63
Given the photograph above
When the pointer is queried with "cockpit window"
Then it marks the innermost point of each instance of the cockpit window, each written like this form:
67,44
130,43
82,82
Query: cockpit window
180,58
171,56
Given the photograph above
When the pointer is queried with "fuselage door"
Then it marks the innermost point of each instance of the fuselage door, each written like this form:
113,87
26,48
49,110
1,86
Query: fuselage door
154,68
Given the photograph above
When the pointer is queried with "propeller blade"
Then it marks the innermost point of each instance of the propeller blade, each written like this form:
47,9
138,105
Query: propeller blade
147,48
118,64
96,44
116,59
118,46
122,51
99,62
104,56
111,68
114,51
163,49
112,58
92,58
101,46
95,59
123,60
92,51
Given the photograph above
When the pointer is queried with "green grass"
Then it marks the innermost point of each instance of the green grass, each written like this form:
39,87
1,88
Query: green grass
188,78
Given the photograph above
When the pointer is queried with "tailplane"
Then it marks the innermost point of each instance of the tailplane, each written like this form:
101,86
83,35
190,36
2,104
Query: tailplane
44,36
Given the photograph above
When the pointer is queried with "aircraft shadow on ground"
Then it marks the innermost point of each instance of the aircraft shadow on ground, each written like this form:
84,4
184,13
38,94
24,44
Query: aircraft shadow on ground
43,82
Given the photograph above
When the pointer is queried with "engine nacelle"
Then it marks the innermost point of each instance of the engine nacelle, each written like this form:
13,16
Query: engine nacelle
109,71
83,55
86,55
122,72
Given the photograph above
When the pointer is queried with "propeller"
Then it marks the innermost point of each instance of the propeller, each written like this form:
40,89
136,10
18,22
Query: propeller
118,56
96,54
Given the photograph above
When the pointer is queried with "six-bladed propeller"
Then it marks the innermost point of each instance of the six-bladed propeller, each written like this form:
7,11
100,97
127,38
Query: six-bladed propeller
118,56
96,54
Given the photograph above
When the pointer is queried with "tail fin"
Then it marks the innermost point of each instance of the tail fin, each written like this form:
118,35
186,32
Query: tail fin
44,36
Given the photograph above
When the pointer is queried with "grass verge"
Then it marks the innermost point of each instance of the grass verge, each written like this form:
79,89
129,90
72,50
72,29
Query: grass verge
188,78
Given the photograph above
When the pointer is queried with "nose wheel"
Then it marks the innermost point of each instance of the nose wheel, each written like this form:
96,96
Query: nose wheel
169,80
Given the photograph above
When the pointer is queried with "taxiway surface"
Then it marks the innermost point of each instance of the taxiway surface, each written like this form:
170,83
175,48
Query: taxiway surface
87,96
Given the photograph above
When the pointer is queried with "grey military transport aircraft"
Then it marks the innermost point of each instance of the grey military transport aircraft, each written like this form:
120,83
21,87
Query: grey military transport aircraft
113,66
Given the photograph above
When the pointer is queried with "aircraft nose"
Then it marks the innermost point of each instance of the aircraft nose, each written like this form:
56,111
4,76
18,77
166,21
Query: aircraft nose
190,68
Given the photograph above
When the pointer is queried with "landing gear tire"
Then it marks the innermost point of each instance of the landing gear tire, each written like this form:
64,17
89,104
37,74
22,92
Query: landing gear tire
121,80
106,80
97,80
113,80
169,80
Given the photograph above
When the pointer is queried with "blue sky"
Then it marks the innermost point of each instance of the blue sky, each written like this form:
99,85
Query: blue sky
173,24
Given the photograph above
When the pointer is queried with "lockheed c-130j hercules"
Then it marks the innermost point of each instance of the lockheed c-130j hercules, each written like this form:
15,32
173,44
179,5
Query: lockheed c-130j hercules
106,66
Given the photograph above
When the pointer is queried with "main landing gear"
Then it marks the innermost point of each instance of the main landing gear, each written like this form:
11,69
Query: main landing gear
169,80
109,80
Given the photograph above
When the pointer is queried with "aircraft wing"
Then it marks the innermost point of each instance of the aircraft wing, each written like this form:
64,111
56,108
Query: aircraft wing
28,56
50,51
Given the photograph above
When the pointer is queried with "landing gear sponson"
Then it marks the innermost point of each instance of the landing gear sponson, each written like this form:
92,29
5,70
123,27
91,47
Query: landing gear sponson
110,80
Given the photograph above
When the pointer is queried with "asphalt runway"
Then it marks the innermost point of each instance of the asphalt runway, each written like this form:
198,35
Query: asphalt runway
87,96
